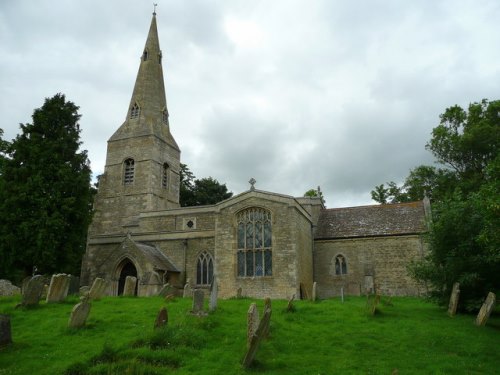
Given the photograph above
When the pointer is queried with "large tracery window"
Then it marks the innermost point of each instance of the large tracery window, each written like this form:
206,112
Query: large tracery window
340,265
128,172
204,269
254,243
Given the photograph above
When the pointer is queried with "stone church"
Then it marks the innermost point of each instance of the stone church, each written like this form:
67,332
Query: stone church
268,244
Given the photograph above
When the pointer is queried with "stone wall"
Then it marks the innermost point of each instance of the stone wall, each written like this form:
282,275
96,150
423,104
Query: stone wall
385,259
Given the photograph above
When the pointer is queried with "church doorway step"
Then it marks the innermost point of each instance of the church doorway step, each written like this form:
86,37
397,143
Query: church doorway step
128,269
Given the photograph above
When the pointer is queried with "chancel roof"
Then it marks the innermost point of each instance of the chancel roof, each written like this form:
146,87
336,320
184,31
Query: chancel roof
372,221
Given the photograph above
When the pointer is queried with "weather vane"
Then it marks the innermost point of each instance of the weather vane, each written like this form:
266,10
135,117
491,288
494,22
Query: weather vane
154,8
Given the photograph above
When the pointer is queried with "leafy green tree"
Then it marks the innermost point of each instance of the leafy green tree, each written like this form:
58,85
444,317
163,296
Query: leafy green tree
46,197
199,192
315,193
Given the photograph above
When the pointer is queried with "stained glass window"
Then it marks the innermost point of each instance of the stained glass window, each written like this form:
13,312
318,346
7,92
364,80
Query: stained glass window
340,265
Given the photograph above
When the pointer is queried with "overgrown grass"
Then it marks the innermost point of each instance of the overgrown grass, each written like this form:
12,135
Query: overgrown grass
326,337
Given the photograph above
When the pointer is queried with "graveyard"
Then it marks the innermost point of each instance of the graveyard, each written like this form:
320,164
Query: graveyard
158,335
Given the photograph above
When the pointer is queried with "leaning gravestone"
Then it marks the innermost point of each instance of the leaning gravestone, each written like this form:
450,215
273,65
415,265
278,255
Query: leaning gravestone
161,318
5,332
486,309
257,338
8,289
198,299
252,322
166,290
129,288
212,304
455,293
267,306
188,292
314,291
98,288
58,289
79,314
33,291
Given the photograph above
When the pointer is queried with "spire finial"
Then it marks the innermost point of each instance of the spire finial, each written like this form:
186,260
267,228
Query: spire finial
252,183
154,8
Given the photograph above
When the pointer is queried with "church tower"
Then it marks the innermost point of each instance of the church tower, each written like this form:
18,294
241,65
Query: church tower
143,160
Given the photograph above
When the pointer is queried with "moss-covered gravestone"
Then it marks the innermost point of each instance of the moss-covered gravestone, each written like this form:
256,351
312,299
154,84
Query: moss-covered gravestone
33,291
486,309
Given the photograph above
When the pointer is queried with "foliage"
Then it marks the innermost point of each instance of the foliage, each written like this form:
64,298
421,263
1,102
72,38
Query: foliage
464,240
315,193
119,339
46,197
199,192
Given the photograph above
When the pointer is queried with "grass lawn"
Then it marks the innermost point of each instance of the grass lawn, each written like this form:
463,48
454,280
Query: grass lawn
325,337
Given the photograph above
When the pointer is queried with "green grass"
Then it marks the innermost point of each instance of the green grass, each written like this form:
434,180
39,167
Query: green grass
326,337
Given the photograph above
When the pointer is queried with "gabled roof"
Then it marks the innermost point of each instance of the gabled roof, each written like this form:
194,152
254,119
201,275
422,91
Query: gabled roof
372,221
156,257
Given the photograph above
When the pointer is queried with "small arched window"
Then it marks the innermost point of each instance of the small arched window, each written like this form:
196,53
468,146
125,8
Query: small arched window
204,269
134,111
128,171
340,265
164,176
159,57
164,116
145,55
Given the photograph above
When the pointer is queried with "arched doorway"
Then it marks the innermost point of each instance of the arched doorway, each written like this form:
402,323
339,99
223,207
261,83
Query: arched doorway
128,269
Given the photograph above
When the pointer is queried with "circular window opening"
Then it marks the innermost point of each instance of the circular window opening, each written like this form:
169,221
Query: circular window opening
190,224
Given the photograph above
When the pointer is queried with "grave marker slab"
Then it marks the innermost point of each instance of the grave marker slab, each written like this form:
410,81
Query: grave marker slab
198,299
129,287
455,293
58,289
5,330
214,290
33,291
257,338
486,309
239,292
98,288
267,306
161,318
314,291
166,290
289,306
79,313
188,291
253,321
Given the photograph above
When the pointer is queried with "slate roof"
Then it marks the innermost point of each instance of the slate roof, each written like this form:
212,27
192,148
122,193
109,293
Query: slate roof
371,221
156,257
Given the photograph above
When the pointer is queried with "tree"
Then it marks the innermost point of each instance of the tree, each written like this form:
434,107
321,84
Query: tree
46,198
199,192
315,193
464,244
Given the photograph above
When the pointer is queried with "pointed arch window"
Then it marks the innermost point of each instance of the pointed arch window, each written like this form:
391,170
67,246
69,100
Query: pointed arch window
164,116
145,55
164,176
134,111
204,269
340,265
254,243
128,171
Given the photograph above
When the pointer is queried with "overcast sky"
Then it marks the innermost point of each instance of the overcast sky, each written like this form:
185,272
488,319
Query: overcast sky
296,94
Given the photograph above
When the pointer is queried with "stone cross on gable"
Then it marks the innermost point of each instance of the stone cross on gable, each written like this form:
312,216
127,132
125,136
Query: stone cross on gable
252,183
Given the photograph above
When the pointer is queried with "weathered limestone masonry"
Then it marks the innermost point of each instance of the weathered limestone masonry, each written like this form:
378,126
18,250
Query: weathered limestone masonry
262,243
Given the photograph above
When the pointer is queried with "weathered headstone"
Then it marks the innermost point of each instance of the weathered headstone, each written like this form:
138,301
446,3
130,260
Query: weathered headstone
252,322
372,303
314,291
267,306
98,288
188,291
256,338
166,290
84,290
74,285
455,293
58,289
239,293
79,313
8,289
5,331
486,309
33,291
198,299
129,287
214,290
289,306
161,318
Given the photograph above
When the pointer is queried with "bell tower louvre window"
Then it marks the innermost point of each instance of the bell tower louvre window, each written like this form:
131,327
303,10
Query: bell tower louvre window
128,172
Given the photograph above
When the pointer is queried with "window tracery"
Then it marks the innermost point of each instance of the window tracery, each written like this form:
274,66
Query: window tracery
204,269
128,171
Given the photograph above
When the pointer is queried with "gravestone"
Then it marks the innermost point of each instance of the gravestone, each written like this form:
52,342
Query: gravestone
214,290
8,289
33,291
166,290
129,287
198,299
98,288
267,306
161,318
257,338
289,306
84,290
239,292
5,331
455,293
314,291
372,302
188,291
252,322
74,285
24,283
58,289
486,309
79,313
